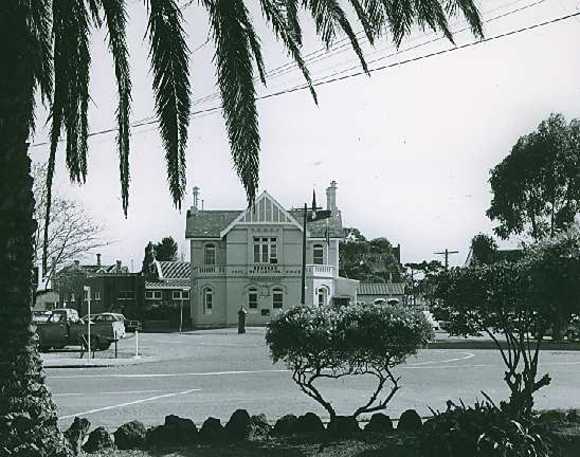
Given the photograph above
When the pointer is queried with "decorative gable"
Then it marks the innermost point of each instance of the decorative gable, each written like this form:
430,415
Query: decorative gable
266,210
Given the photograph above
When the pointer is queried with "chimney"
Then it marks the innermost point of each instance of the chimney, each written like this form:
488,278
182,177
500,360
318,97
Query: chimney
98,260
119,264
195,206
331,197
77,263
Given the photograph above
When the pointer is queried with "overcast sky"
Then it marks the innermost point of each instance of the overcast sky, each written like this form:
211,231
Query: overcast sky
410,147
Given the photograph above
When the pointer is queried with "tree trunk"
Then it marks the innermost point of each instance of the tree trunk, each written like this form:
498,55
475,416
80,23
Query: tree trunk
28,421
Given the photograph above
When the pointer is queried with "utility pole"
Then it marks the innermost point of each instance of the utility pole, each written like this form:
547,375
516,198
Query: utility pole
303,282
446,253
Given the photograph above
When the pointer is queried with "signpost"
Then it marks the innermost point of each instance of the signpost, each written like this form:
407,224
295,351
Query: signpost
87,290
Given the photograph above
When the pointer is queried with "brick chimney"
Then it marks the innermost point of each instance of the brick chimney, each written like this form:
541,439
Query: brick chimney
331,197
98,260
195,207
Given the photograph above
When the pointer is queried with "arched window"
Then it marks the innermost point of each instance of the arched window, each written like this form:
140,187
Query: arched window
322,296
277,298
209,254
253,298
207,299
318,254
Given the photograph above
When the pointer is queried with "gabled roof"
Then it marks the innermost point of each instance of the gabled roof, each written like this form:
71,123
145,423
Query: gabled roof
174,270
208,224
381,288
317,229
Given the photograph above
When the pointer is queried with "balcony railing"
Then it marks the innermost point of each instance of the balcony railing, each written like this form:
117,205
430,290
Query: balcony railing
264,269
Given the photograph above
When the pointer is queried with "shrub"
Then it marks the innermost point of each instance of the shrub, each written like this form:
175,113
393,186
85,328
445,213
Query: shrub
483,430
331,343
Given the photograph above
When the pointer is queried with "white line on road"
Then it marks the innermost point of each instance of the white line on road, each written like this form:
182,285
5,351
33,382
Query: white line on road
129,403
123,392
468,355
171,375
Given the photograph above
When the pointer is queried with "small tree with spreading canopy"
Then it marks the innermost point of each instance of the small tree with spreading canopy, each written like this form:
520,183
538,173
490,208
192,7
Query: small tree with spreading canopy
331,343
519,301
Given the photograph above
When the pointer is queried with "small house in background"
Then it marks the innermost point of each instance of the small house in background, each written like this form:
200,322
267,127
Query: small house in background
381,293
46,300
167,286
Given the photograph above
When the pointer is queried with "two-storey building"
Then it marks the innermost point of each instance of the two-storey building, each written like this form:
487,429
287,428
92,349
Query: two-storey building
252,258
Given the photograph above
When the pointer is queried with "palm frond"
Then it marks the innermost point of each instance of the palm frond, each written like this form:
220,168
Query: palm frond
169,57
277,13
235,73
94,8
364,19
328,16
116,20
71,34
431,12
39,27
470,12
292,20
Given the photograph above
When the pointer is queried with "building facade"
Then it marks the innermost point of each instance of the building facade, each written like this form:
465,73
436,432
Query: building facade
252,259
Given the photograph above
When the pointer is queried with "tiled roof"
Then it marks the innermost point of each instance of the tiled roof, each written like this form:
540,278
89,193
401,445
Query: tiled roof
168,284
175,269
317,229
381,288
208,224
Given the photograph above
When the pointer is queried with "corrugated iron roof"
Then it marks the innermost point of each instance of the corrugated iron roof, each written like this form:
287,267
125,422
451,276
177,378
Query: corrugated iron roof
175,269
183,284
381,288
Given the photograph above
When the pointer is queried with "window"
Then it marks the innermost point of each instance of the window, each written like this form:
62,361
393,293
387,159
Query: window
185,294
318,254
253,298
277,298
177,295
72,297
209,254
126,295
322,296
265,250
152,295
207,301
97,295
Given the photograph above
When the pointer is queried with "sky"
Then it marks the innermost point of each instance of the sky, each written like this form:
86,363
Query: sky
410,147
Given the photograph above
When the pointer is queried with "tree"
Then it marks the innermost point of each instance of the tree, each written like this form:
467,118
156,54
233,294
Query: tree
148,259
166,249
373,260
483,249
519,300
72,233
331,343
46,46
423,278
536,189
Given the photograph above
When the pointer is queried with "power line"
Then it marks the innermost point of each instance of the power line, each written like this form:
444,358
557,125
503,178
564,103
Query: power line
360,73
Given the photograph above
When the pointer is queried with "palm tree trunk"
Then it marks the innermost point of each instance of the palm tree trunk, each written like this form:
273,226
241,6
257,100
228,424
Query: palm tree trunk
28,421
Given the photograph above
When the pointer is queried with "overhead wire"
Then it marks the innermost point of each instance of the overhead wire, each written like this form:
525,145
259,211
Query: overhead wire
339,76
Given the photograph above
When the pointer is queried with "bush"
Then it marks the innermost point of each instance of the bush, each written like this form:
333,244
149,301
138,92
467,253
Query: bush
327,342
482,430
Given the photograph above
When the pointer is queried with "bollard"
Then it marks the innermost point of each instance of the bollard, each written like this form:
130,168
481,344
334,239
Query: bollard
242,320
136,345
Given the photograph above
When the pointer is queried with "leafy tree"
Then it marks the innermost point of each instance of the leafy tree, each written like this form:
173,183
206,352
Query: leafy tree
148,259
365,260
536,189
483,249
166,249
517,300
422,278
331,343
46,46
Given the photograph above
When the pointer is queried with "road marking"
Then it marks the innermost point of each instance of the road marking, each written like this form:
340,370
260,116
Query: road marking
129,403
123,392
468,355
171,375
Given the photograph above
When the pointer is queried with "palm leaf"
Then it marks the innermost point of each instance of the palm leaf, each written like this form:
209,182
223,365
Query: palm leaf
292,20
364,19
169,57
233,57
328,18
278,14
470,11
116,19
39,25
69,108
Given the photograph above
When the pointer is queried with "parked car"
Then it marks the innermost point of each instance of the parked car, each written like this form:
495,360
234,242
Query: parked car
65,328
116,320
40,316
571,332
133,326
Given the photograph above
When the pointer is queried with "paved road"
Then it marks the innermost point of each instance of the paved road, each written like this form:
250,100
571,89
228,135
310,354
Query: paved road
212,373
